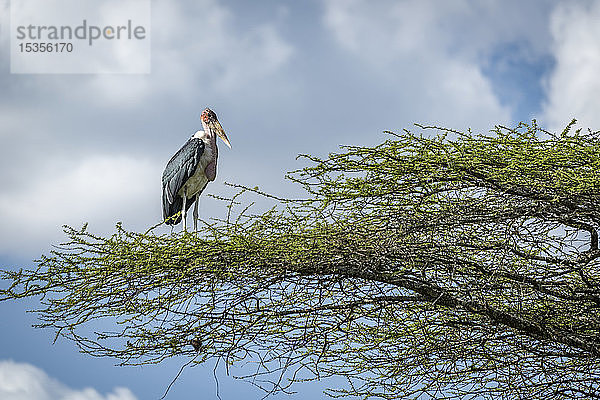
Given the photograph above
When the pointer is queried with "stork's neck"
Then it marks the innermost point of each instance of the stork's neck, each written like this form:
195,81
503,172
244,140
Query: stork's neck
209,137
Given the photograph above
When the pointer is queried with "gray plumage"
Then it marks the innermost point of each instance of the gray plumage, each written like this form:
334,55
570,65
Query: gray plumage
179,169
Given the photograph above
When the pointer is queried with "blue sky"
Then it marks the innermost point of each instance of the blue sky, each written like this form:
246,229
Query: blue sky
285,77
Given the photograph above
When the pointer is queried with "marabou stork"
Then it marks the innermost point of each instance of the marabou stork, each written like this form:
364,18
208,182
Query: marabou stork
188,172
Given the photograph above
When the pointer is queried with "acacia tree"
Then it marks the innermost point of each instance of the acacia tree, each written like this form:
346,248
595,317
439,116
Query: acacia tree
438,264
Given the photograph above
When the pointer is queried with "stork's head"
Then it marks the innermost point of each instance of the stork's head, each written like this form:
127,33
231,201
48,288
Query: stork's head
210,121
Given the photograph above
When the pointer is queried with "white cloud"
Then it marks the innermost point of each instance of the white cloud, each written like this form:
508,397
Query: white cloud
463,28
196,47
99,189
417,46
198,43
21,381
379,31
573,87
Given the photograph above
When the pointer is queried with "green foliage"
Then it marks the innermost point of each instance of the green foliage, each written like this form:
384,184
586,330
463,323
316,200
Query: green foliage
446,266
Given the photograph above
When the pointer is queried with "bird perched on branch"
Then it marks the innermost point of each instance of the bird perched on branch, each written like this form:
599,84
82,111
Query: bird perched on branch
188,172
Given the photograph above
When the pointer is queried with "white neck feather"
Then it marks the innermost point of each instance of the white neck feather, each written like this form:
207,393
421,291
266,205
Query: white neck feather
208,137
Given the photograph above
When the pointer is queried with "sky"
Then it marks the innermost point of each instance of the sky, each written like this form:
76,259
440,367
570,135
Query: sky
285,77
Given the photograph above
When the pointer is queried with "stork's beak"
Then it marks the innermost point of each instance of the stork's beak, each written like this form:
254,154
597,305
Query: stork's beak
216,125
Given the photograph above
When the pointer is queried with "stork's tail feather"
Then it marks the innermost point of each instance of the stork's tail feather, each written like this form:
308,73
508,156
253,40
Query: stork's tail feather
172,211
173,219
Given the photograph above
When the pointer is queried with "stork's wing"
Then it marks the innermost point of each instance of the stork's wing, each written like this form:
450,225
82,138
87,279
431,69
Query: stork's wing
178,170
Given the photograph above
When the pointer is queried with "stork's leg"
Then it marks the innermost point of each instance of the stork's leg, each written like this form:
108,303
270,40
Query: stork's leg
196,212
183,209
